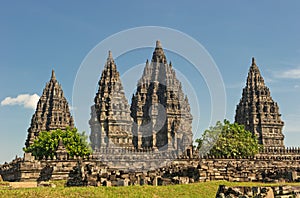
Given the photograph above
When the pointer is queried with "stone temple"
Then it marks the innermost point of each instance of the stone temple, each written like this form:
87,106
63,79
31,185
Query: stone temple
258,112
159,117
52,111
159,108
110,118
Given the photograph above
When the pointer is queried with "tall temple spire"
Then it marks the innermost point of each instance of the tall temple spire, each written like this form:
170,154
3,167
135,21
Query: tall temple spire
162,118
110,115
258,112
52,111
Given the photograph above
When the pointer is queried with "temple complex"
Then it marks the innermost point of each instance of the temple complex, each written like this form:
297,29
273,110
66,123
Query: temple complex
150,141
258,112
52,111
110,115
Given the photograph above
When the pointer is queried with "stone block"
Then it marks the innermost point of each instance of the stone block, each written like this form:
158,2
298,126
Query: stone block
23,184
204,167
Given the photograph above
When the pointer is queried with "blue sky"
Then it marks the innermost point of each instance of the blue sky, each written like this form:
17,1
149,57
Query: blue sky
37,37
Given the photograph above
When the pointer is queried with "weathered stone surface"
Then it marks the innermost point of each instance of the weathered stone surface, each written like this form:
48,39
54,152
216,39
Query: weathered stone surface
263,192
159,108
52,111
23,184
110,121
258,112
46,184
91,172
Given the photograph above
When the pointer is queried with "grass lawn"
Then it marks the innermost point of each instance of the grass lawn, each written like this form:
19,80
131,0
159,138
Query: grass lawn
203,190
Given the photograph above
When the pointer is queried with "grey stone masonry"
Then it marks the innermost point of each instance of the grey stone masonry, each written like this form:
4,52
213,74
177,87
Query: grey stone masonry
159,117
272,165
110,115
258,191
159,108
52,111
258,112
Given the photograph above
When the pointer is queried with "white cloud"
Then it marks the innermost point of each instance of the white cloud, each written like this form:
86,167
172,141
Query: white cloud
25,100
291,74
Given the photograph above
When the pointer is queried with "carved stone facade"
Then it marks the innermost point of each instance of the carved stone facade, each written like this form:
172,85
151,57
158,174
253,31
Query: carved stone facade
159,108
52,111
258,112
110,115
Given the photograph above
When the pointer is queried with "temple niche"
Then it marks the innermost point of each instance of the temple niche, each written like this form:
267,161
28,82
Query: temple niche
258,112
52,111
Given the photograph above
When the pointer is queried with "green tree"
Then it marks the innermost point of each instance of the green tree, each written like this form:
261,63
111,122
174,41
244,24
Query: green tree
47,143
229,140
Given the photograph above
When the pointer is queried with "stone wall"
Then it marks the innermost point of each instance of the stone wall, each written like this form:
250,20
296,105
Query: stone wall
129,160
128,168
139,160
183,171
30,169
261,169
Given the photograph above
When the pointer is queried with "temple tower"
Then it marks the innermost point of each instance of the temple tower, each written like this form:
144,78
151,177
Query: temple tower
110,115
52,111
159,108
258,112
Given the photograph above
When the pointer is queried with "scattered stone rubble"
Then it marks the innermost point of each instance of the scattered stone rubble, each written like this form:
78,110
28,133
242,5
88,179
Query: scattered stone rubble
189,171
261,192
88,175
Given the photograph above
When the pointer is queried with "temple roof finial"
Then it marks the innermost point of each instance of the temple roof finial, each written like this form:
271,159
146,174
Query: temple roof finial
158,44
253,61
158,54
110,55
53,75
